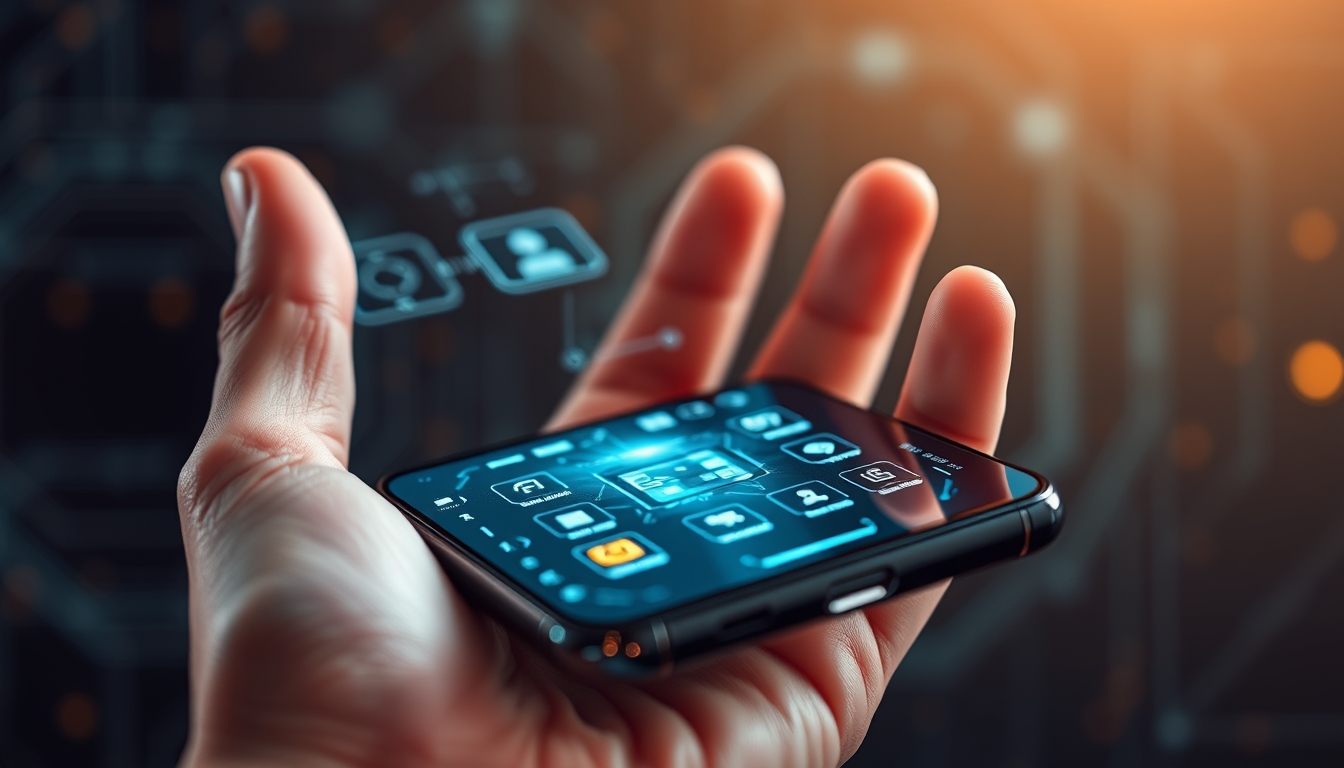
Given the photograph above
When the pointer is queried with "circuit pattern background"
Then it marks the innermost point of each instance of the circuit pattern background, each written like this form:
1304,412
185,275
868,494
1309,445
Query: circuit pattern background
1134,172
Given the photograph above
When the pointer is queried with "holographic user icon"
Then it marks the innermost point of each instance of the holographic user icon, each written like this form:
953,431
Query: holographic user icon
533,251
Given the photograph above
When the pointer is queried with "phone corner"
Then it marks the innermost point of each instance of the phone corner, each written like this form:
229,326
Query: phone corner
1044,520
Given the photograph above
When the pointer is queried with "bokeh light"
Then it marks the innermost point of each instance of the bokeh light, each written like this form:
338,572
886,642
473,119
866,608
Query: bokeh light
1041,127
1316,371
68,304
880,57
75,26
77,716
172,302
266,30
1313,234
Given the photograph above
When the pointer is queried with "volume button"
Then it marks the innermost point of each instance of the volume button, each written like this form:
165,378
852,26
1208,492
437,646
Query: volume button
1026,532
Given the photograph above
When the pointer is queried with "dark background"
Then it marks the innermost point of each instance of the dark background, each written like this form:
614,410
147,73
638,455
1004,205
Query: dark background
1159,183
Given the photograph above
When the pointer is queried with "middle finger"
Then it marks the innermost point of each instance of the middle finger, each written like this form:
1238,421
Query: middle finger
836,334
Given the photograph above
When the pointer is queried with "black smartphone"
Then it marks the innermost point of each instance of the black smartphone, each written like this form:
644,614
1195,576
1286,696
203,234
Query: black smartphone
640,542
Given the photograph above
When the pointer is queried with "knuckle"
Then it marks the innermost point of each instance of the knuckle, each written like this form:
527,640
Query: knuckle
233,462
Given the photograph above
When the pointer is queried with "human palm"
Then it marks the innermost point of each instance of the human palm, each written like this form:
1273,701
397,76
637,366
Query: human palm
323,631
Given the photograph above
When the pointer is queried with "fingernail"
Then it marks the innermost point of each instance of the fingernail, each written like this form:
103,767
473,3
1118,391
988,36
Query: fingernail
238,199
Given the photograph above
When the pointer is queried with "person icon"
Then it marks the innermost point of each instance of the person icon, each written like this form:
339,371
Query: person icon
536,259
810,497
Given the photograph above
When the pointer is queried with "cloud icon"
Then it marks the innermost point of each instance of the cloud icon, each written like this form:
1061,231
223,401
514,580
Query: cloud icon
819,448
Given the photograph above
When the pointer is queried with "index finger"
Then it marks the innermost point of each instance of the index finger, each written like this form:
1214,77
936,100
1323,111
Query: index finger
695,290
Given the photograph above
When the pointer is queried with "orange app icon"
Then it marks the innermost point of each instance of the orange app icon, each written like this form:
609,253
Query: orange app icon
624,554
609,554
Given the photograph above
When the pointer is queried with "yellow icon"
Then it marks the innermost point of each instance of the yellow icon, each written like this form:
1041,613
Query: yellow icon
612,553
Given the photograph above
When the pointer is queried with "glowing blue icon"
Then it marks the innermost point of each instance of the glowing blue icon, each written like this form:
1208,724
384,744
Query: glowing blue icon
811,499
682,477
732,399
695,411
550,579
577,521
533,251
728,524
402,276
824,448
573,593
770,423
655,421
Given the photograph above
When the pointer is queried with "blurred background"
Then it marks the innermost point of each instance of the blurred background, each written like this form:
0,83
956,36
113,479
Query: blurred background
1160,184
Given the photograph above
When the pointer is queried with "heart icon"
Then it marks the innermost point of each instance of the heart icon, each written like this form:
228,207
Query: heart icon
819,448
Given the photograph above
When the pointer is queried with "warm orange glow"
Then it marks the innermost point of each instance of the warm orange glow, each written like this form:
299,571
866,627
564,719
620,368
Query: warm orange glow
77,716
68,304
76,25
266,30
632,649
1317,371
611,644
1313,234
171,302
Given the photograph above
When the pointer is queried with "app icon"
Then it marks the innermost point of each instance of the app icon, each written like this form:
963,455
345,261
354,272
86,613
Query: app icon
882,477
695,411
811,499
728,524
621,555
531,489
577,521
683,477
770,423
573,593
402,276
824,448
732,399
550,578
552,449
655,421
533,251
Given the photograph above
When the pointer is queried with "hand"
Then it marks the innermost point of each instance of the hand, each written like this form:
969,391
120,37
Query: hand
324,632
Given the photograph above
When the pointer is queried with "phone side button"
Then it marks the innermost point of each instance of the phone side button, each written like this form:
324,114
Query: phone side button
862,597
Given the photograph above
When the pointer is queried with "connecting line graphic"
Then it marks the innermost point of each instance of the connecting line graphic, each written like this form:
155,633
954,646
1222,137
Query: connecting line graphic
575,359
457,181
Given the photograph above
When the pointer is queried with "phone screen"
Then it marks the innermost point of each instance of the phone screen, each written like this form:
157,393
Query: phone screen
638,515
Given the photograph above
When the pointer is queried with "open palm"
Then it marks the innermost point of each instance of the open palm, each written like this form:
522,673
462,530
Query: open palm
323,631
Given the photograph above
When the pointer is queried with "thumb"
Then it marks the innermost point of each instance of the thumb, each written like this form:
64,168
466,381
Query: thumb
285,387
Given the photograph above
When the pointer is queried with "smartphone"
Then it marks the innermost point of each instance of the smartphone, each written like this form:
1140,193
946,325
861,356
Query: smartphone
638,543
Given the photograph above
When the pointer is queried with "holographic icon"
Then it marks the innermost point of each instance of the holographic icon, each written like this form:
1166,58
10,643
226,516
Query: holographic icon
770,423
655,421
728,524
882,477
683,477
402,276
576,522
732,399
824,448
811,499
533,251
694,411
